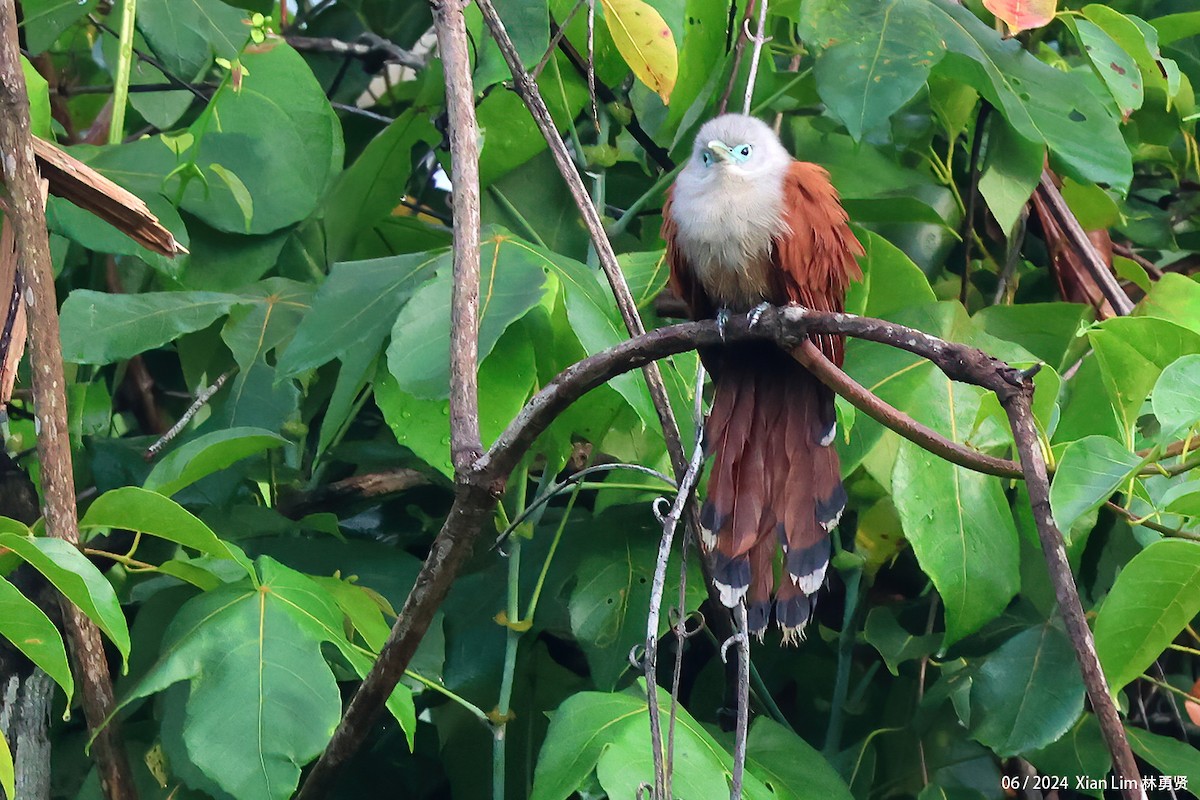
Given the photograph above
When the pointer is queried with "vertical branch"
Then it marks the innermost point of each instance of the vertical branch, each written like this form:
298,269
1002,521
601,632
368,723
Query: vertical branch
759,38
528,90
738,50
1020,416
465,444
36,279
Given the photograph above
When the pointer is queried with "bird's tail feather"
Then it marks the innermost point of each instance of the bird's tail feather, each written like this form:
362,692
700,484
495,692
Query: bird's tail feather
775,484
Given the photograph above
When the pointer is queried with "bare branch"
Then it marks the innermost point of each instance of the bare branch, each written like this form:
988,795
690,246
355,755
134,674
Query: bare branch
35,278
465,445
368,47
1017,403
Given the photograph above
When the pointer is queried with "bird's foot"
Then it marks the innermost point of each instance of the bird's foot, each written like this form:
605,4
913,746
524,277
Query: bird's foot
723,315
757,312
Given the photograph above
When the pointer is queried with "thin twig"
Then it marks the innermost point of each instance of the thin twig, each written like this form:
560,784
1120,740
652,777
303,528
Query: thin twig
201,399
759,38
369,47
738,50
972,193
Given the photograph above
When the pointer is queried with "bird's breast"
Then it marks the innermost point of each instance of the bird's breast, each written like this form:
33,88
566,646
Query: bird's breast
726,230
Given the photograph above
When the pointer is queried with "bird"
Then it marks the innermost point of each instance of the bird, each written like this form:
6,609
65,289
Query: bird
746,226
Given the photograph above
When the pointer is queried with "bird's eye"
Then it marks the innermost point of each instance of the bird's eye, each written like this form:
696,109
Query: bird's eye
744,152
706,157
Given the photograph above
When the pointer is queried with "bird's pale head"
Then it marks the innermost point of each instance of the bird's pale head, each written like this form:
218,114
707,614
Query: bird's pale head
736,145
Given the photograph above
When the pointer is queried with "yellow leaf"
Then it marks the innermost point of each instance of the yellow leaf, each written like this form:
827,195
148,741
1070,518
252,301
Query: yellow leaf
1022,15
645,42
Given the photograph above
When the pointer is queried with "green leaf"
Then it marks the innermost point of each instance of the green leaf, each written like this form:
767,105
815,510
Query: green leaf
262,701
186,34
1115,67
1090,471
208,454
1175,393
238,190
1169,756
876,56
1174,298
608,604
1081,752
790,766
1027,693
1133,352
1047,330
270,312
356,307
375,183
1174,27
38,91
27,628
511,284
78,579
100,328
1011,171
507,378
44,21
1140,41
884,632
891,281
1041,103
136,509
610,733
278,135
1153,598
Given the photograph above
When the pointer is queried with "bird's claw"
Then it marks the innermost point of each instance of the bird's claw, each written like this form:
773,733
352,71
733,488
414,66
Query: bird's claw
722,320
757,312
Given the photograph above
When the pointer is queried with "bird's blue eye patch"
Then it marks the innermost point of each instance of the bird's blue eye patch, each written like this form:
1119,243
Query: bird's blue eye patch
707,158
743,152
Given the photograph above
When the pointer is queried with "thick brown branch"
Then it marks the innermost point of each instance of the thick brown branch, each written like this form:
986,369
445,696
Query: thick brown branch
1017,404
36,281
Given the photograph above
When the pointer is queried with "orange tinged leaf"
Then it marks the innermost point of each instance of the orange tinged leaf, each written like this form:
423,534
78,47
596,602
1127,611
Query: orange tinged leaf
1193,705
1023,15
645,42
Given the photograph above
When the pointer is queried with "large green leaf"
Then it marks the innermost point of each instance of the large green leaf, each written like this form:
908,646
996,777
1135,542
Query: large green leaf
99,328
790,766
612,592
279,138
1113,64
1175,394
187,34
44,20
1047,330
1153,598
144,511
356,307
876,56
1090,471
1169,756
610,733
375,183
1133,352
1139,40
77,578
957,520
262,701
27,628
507,378
891,281
1011,171
1041,103
511,284
1027,693
208,454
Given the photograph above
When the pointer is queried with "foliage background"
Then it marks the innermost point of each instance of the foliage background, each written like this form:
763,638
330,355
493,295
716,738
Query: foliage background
310,192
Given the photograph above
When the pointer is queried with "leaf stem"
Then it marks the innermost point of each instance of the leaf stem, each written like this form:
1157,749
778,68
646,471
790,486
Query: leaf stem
116,129
429,683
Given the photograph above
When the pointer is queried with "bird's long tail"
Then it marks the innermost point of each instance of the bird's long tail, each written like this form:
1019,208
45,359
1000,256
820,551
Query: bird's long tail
775,480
